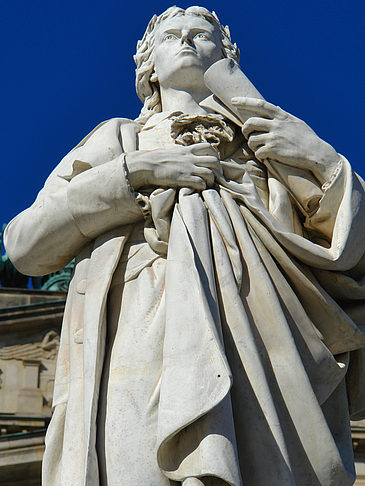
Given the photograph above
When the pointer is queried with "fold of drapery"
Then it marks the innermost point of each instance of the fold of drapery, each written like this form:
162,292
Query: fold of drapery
195,416
225,264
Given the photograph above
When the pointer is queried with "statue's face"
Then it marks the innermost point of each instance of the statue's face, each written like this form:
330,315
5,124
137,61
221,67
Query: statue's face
185,47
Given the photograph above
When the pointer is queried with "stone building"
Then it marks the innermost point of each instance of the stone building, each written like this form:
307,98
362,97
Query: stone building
30,322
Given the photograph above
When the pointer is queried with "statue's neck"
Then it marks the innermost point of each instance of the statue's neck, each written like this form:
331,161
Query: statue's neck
187,102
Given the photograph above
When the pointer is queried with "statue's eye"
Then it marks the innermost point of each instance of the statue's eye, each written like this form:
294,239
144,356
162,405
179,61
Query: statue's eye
169,37
202,35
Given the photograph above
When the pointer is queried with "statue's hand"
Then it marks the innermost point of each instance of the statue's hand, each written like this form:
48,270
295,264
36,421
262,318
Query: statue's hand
191,166
274,134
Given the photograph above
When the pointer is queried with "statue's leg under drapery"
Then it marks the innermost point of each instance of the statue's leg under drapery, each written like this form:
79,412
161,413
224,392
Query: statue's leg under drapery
129,393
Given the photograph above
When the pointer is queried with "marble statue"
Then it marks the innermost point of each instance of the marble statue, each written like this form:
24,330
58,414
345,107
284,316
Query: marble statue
213,333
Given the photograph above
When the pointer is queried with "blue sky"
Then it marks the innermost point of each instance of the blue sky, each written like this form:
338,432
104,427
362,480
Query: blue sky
67,66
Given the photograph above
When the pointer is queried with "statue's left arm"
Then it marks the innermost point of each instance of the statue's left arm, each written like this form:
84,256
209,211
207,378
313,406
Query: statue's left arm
329,194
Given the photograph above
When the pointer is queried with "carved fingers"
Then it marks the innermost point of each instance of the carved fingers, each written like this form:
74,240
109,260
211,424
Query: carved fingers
193,166
207,175
203,148
205,162
259,107
274,134
257,141
256,124
194,182
262,136
262,128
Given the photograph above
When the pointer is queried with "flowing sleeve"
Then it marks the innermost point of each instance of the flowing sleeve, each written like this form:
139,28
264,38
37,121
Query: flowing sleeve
86,195
329,235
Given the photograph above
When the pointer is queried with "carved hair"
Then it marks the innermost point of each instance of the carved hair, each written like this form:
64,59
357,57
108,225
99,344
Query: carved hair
147,85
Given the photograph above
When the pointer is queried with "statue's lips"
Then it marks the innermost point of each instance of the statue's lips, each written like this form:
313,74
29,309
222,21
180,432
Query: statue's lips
186,50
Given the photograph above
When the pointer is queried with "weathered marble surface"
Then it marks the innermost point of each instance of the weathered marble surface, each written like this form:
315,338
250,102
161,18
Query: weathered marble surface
213,330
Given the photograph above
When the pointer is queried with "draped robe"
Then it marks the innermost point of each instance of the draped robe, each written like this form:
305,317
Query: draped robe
262,316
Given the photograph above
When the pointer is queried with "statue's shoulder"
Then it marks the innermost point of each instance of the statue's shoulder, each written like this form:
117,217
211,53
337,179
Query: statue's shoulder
108,129
101,145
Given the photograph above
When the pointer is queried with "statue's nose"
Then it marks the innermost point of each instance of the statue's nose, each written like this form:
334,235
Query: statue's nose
185,37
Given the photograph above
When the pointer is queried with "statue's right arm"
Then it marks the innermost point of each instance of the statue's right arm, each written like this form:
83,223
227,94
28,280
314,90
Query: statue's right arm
90,192
71,211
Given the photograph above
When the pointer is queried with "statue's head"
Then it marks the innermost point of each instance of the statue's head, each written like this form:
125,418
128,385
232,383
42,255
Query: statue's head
147,80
